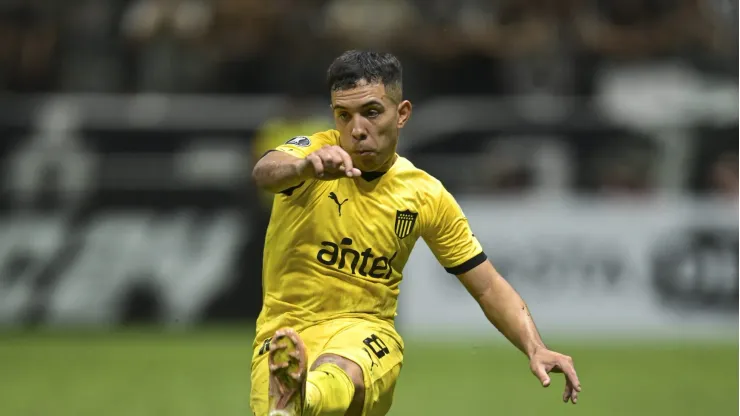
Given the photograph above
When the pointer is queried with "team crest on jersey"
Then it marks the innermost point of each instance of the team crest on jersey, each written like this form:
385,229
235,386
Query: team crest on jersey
405,221
301,141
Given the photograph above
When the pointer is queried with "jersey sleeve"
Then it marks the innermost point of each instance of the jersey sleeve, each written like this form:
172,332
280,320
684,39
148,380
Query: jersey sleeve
450,237
302,146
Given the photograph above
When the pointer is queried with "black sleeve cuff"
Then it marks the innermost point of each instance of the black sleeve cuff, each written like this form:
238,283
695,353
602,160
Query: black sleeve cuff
468,265
289,191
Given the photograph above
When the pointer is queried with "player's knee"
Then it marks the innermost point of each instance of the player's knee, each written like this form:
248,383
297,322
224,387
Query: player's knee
353,371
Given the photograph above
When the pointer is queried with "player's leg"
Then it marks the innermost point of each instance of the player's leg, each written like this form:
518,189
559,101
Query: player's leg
354,374
327,390
335,386
371,355
260,382
287,363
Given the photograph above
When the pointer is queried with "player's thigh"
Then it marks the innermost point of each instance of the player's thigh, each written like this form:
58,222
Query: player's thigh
377,349
260,385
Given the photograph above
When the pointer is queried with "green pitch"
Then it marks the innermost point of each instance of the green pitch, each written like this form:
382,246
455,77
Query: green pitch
143,373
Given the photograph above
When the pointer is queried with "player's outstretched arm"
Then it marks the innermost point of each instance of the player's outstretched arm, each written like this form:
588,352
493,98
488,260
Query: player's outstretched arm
507,311
277,171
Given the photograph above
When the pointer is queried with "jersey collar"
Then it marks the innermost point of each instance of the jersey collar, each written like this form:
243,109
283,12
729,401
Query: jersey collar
371,176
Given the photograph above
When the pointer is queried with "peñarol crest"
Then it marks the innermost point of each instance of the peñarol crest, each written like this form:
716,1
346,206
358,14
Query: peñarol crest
405,221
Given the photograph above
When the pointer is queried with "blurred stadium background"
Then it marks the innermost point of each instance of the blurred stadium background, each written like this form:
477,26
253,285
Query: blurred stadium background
592,144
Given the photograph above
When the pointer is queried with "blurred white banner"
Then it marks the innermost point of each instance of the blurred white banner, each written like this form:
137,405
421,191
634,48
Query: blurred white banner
89,274
591,267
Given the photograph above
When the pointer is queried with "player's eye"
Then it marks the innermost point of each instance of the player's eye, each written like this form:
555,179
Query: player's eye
344,116
372,113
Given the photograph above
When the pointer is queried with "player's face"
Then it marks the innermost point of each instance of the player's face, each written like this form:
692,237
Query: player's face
369,120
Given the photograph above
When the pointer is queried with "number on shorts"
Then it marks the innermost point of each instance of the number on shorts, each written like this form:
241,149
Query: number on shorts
377,346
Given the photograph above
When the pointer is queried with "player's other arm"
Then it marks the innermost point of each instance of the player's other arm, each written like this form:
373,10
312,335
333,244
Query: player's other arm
508,312
453,243
278,170
503,307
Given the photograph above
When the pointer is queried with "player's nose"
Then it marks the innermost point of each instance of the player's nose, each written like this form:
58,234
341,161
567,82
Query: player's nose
358,133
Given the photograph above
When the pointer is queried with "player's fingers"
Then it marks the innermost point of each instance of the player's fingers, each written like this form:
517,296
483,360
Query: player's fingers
327,158
347,165
570,392
570,373
337,156
540,373
317,164
339,159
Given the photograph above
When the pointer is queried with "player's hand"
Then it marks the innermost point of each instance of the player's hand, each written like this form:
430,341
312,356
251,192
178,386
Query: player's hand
329,162
544,361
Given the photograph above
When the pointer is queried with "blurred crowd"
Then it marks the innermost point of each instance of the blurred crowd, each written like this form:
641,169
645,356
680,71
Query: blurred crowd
507,48
450,46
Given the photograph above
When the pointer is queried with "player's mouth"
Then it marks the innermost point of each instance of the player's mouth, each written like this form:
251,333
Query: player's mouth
365,153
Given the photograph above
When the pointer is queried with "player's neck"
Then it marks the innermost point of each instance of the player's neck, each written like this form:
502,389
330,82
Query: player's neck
387,165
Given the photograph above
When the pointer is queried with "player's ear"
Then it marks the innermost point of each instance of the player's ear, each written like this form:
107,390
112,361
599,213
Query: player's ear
404,112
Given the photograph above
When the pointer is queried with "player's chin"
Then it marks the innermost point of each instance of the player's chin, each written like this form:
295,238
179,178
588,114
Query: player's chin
366,161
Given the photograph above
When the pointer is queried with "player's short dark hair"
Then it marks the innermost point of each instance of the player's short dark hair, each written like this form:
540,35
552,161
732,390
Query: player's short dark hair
353,66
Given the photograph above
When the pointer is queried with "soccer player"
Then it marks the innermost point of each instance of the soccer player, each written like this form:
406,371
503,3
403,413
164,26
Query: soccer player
347,214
